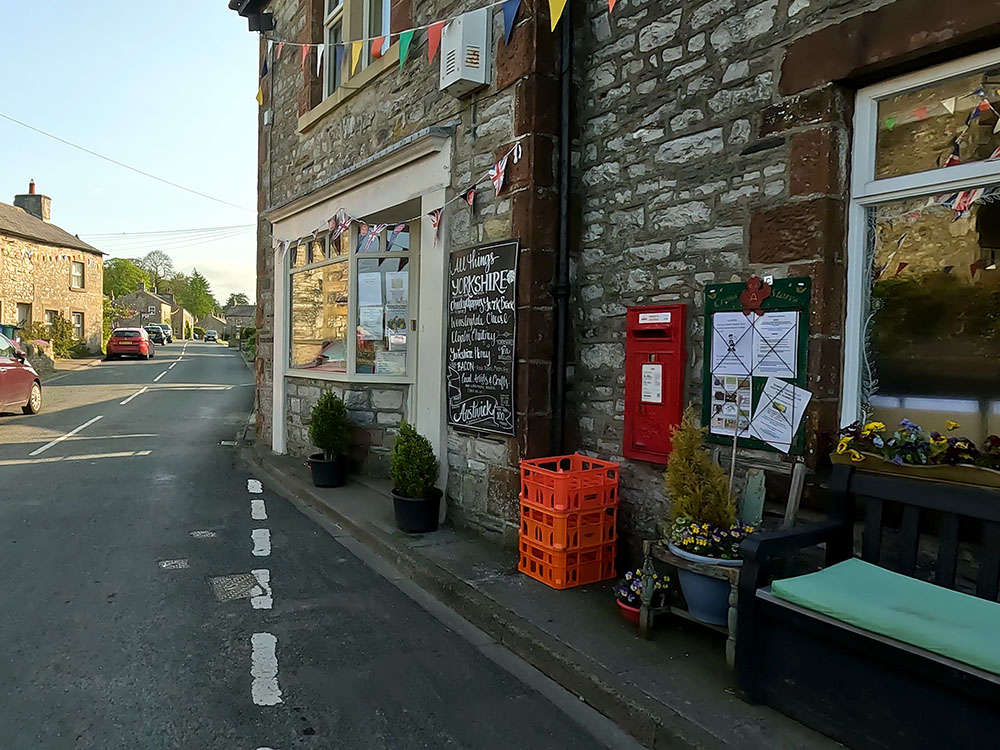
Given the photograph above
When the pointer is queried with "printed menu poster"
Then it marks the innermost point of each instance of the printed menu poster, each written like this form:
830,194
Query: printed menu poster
779,413
731,404
482,319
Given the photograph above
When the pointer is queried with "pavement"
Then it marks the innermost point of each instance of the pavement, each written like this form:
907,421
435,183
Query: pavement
158,596
673,691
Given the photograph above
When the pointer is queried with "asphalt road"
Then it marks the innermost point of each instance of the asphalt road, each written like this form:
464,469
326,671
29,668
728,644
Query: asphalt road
112,634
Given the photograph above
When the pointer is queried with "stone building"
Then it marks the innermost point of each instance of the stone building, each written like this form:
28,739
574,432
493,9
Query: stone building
46,271
150,307
212,322
711,140
239,317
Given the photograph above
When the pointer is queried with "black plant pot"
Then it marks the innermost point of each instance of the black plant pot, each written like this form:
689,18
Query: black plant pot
327,473
417,515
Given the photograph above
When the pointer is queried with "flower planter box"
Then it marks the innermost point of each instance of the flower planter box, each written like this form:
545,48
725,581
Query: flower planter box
958,474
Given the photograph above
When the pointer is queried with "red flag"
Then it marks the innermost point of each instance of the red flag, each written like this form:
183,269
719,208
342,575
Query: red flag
436,223
469,196
611,6
900,267
920,113
305,54
377,47
281,46
434,39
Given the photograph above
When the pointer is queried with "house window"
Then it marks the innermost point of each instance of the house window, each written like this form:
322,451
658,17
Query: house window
376,15
78,326
50,316
923,285
333,33
76,277
350,310
23,313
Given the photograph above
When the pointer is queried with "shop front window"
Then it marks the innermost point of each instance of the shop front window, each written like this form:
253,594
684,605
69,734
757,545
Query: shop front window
360,281
923,327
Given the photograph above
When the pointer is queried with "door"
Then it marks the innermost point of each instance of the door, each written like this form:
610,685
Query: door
15,378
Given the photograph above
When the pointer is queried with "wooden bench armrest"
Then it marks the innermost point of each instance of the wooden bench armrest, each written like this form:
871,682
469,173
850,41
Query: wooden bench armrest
762,547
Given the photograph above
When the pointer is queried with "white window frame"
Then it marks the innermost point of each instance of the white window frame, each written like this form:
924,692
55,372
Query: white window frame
386,8
412,346
83,321
83,274
867,192
337,14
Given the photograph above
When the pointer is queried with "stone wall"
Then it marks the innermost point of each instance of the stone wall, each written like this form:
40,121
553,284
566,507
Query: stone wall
45,284
711,145
296,157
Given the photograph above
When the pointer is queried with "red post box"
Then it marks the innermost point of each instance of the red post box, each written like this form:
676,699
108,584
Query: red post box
654,379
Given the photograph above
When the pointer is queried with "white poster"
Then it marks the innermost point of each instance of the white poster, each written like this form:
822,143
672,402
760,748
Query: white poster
732,343
779,413
730,405
397,287
390,363
776,344
652,384
369,290
369,323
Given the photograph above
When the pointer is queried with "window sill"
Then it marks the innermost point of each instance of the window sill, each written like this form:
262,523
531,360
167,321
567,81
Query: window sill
349,88
344,377
77,289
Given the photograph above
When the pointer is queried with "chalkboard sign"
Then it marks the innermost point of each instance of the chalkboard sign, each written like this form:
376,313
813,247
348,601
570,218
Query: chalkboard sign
482,324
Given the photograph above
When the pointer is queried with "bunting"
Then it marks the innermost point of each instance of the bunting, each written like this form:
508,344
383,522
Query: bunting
433,39
556,8
356,48
436,223
377,43
277,54
372,237
509,13
469,196
305,54
405,38
497,172
319,58
396,230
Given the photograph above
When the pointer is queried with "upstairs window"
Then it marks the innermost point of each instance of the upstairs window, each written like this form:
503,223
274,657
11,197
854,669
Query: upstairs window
76,275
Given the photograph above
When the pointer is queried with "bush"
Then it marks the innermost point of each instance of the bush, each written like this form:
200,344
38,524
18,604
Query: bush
79,350
199,332
187,330
247,332
250,343
60,334
35,331
329,426
413,468
697,488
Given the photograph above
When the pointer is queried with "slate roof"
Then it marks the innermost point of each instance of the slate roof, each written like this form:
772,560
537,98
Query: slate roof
14,221
240,311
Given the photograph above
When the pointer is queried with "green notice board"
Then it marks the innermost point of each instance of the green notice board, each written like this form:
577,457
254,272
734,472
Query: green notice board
743,352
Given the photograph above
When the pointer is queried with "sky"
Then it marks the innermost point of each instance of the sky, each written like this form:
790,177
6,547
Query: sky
167,88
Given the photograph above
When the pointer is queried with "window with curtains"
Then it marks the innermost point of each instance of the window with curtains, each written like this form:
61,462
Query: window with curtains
351,302
923,320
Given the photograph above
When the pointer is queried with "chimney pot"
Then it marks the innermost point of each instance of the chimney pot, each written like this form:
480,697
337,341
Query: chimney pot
31,188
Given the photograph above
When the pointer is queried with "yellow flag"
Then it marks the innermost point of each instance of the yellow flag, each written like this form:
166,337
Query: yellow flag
356,48
556,8
260,96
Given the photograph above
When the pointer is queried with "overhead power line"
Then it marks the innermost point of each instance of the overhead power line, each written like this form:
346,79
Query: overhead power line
123,165
159,232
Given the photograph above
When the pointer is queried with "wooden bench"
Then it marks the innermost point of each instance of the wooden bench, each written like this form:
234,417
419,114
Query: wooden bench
863,688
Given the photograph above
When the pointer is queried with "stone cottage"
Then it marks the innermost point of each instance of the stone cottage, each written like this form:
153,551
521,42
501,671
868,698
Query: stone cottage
45,271
239,317
149,307
854,145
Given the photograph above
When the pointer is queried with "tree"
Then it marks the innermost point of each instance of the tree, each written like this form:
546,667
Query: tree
123,276
197,298
237,298
176,284
158,265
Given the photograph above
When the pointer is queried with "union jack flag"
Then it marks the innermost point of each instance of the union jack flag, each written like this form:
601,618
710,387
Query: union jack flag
497,173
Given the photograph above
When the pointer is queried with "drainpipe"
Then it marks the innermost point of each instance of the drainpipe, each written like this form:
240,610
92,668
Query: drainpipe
560,288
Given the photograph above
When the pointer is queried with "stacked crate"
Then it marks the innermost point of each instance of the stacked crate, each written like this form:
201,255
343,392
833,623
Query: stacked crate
569,520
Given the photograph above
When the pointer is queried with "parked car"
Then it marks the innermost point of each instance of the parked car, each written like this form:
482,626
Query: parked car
156,333
20,386
131,342
168,332
211,335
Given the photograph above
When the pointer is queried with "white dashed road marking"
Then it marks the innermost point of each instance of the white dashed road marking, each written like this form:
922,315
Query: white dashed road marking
258,512
261,542
156,379
134,395
264,600
254,487
172,366
71,433
264,670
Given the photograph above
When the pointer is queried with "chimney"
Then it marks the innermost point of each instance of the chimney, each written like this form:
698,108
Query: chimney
142,286
39,206
168,296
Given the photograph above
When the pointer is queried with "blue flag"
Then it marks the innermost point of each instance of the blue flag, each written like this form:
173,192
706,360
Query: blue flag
509,12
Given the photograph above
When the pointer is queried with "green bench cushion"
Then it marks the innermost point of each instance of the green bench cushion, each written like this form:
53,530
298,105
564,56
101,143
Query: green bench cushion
946,622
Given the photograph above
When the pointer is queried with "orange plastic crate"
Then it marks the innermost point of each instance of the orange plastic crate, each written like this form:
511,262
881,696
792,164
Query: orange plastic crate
566,530
573,482
564,570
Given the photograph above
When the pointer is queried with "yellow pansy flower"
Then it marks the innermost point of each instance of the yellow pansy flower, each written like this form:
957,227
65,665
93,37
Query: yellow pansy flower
952,425
856,457
842,445
873,427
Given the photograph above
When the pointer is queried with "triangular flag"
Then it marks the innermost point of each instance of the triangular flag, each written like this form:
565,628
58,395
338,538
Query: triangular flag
497,172
984,105
405,37
396,230
556,8
890,123
949,104
305,54
377,47
356,48
996,128
436,223
319,58
974,268
509,12
433,39
469,196
260,96
277,55
920,113
339,52
973,116
948,269
373,236
900,267
611,6
270,47
263,69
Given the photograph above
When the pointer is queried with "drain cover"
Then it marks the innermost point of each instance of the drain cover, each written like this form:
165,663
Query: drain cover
202,534
228,442
173,564
242,586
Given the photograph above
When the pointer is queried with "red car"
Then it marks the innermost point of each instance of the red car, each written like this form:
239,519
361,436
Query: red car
19,383
130,342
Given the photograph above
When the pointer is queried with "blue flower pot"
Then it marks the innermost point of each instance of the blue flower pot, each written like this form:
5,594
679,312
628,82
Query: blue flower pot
707,598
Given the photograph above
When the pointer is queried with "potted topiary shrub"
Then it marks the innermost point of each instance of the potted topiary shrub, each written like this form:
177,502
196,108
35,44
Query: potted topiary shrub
413,470
703,527
330,431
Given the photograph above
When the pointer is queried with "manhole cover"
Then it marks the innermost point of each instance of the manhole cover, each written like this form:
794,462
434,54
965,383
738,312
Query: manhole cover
205,534
228,442
242,586
173,564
